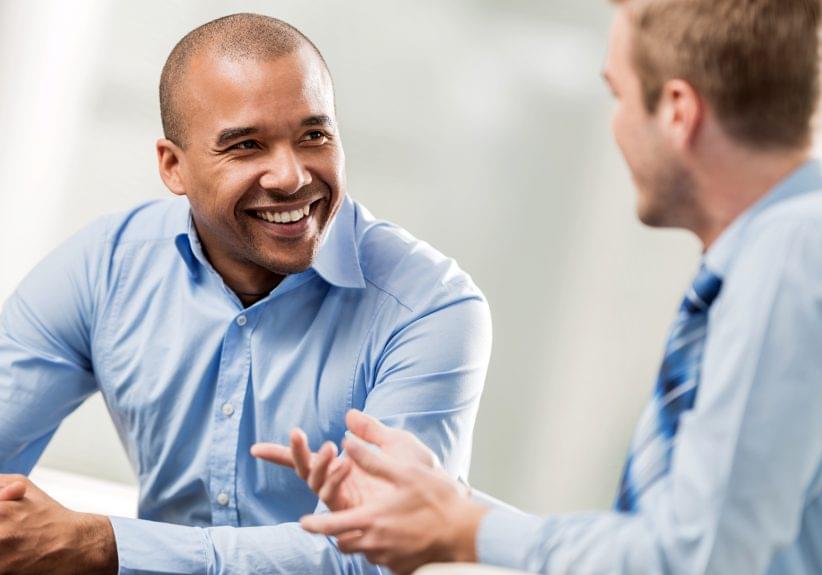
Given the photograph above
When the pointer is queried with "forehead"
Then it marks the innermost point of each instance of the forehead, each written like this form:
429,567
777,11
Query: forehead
266,93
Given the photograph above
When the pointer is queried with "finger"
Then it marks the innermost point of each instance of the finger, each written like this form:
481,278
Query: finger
331,488
319,467
273,452
334,465
349,536
13,492
373,461
366,427
339,521
351,542
301,453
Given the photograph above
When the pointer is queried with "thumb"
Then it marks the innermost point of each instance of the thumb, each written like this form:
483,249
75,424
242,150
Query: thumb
372,461
367,428
13,491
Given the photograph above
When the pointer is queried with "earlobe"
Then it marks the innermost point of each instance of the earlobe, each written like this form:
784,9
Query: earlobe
169,160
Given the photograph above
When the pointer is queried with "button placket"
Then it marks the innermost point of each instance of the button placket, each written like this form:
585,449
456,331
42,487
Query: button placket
232,383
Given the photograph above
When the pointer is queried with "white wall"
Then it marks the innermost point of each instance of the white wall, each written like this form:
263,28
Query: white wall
479,125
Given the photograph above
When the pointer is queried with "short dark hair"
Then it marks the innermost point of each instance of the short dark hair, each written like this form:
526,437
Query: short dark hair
237,36
756,62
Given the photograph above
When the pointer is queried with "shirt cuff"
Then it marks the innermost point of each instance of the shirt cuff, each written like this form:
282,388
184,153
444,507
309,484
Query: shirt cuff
160,548
505,536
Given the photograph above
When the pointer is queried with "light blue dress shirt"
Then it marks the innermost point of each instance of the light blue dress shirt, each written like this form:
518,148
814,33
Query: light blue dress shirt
131,307
744,494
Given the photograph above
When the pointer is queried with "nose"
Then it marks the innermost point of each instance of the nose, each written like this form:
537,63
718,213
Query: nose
285,171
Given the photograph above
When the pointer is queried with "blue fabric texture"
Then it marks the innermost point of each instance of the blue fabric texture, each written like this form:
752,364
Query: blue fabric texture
675,392
726,467
131,308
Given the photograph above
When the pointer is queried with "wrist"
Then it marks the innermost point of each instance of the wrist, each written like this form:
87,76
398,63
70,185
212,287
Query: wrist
96,545
466,518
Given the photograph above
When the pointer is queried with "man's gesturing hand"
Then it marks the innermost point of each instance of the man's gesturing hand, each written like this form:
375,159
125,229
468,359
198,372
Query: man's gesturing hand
38,535
420,516
339,483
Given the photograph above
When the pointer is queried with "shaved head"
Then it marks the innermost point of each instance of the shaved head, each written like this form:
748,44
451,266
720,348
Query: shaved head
236,37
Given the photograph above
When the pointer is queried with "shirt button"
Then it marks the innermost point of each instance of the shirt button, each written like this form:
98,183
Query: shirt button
242,320
222,499
228,410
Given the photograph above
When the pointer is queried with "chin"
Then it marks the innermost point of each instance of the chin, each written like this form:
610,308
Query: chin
288,264
649,217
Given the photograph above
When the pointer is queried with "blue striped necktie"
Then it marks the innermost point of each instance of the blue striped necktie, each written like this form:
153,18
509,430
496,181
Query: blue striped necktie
650,455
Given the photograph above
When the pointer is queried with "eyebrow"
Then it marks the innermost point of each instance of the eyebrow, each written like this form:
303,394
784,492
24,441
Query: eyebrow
319,120
229,134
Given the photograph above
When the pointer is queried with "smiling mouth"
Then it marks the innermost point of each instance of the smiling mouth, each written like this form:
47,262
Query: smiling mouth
291,216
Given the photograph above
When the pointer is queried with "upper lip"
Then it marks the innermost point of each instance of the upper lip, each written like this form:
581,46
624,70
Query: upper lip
291,206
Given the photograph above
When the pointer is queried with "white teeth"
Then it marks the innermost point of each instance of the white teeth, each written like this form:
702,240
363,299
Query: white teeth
285,217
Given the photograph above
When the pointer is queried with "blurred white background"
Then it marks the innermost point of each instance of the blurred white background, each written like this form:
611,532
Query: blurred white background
481,126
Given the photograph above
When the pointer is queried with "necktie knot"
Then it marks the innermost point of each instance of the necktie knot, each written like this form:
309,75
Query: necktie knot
702,292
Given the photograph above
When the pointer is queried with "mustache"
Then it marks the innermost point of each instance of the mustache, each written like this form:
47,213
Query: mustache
266,198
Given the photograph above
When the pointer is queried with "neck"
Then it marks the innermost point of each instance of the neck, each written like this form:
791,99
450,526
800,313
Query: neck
249,281
731,182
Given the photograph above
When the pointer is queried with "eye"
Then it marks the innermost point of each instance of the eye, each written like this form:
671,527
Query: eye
315,138
245,145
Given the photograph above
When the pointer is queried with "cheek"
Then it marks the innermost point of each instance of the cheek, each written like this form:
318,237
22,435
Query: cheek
331,167
329,170
621,134
222,188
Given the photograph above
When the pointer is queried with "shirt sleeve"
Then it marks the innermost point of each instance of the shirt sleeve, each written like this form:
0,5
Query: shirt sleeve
45,357
431,372
151,548
746,455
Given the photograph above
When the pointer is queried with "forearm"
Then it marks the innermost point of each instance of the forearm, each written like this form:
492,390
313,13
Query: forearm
160,548
574,543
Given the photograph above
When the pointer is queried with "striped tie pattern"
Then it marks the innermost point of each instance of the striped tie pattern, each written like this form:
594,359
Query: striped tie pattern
649,458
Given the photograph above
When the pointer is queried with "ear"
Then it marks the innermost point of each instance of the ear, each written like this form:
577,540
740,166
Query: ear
681,112
169,159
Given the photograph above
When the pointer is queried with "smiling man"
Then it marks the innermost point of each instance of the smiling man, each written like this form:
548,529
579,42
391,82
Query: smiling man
261,299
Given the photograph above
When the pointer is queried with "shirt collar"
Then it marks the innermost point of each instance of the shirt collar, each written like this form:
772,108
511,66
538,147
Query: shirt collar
337,260
188,242
806,178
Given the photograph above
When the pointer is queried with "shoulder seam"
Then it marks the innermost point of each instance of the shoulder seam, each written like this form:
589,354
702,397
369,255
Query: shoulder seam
388,293
462,279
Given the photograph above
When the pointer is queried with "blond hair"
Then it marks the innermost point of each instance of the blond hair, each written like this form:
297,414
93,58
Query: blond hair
754,61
